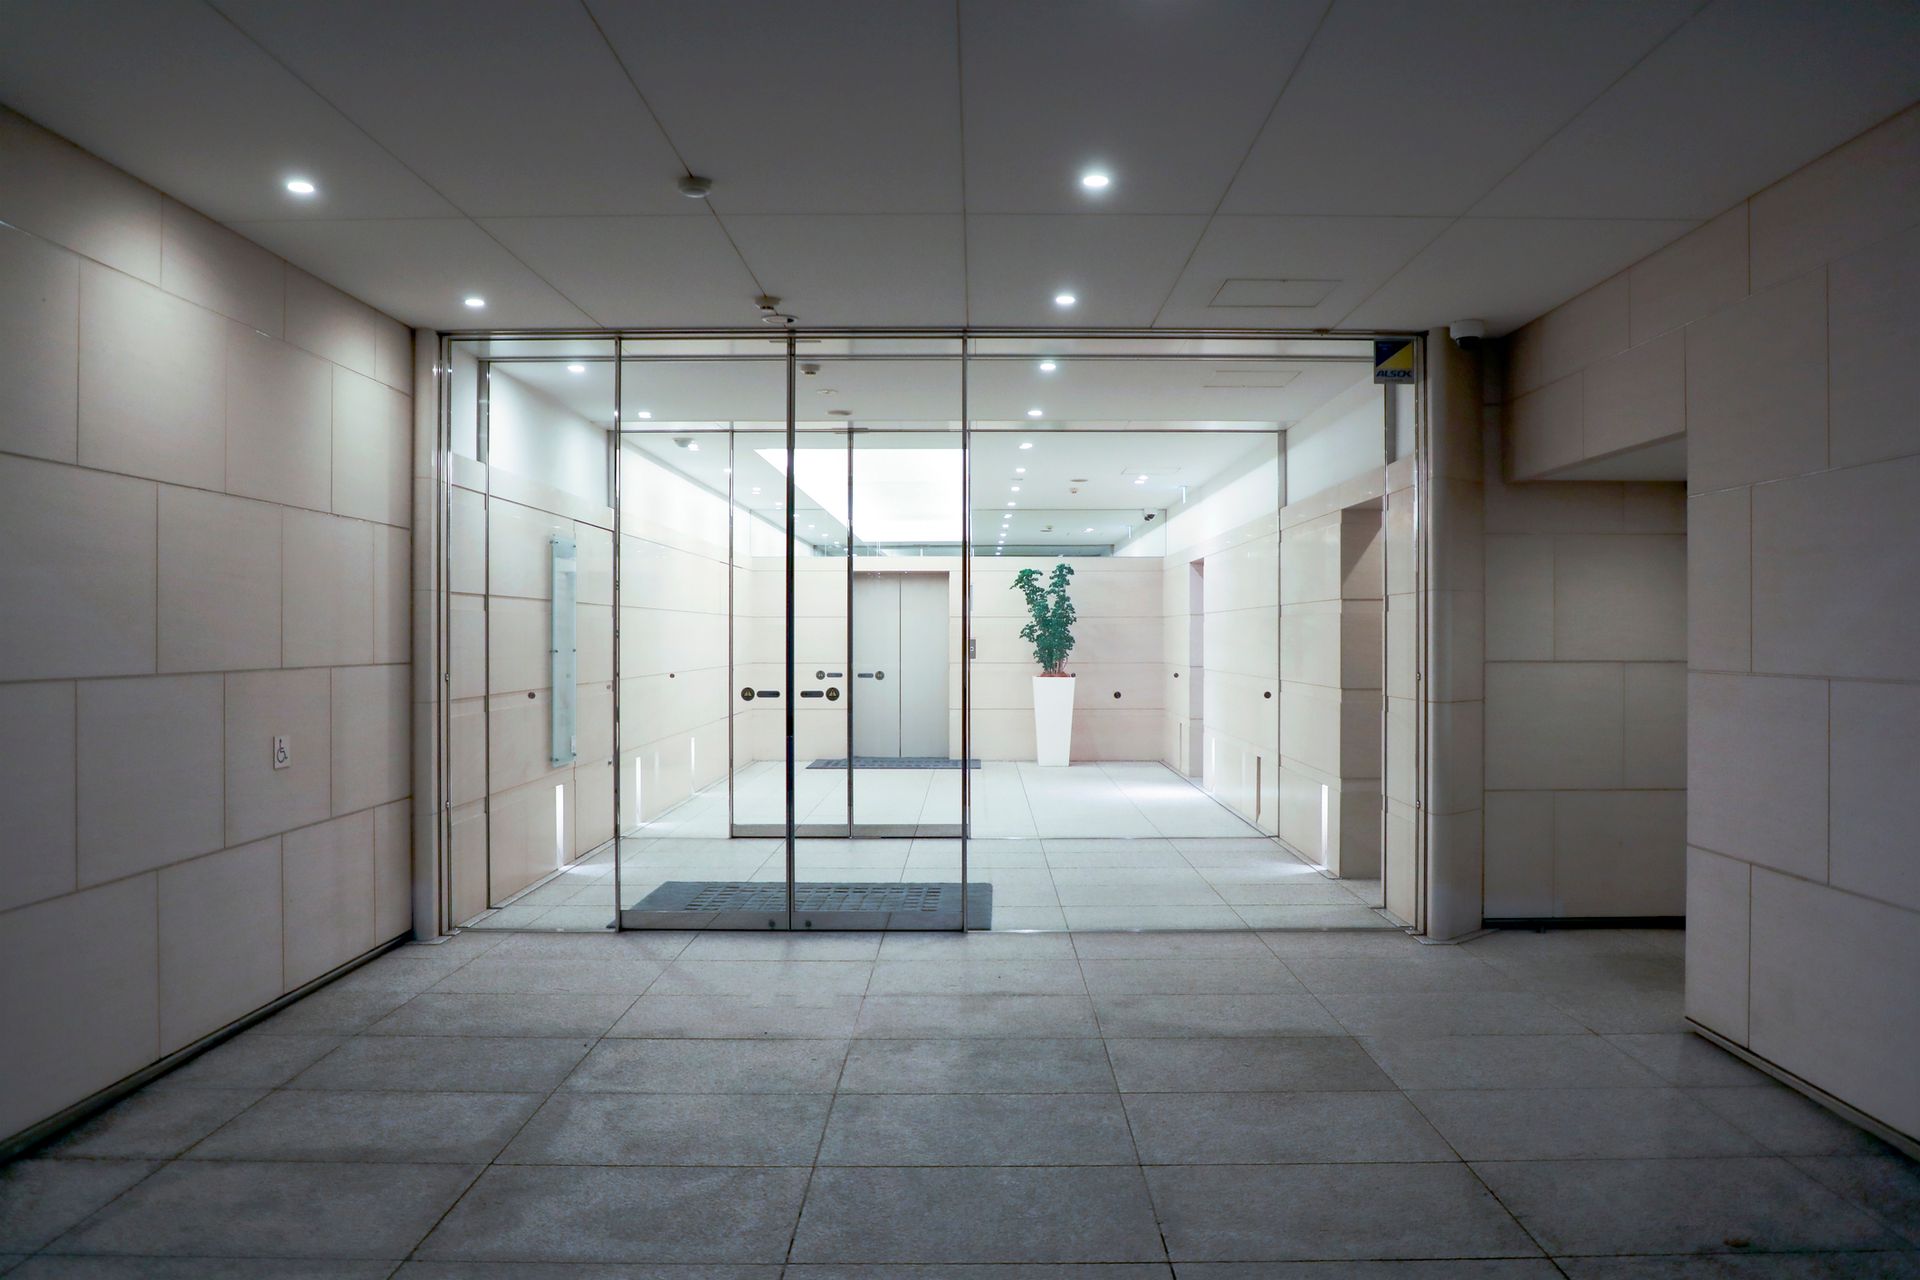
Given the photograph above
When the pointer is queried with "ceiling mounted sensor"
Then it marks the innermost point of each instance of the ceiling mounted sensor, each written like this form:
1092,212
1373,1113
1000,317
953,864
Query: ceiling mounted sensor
694,187
770,313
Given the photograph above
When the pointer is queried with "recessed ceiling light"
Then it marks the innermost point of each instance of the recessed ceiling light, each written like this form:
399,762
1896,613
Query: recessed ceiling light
1094,180
643,413
475,301
1019,471
756,488
576,368
1064,299
1048,366
693,446
1032,413
1026,444
301,187
1089,529
1139,479
1016,488
1013,504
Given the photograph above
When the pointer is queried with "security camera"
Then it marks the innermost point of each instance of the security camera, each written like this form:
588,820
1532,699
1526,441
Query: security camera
810,369
1467,334
1147,515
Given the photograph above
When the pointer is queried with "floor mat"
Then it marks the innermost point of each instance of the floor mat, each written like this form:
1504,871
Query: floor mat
762,904
894,762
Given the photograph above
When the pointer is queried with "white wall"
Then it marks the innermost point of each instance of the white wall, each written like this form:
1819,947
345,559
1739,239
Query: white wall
1586,642
1794,316
205,505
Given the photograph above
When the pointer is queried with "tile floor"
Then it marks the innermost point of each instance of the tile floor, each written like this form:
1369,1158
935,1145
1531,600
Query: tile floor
993,1107
1149,850
1148,883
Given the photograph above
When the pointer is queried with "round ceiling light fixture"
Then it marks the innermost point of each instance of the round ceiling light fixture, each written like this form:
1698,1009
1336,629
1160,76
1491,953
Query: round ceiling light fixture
474,301
694,187
1096,180
1033,413
301,186
1048,366
1026,444
1064,299
576,368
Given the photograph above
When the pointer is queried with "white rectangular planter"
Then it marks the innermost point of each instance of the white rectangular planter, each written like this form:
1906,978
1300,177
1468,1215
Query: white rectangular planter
1053,719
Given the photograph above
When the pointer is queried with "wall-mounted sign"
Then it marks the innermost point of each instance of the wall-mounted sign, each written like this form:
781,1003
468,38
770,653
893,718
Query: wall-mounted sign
1393,360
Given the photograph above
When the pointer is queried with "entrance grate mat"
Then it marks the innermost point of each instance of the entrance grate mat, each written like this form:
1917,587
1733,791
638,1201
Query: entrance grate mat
762,904
894,762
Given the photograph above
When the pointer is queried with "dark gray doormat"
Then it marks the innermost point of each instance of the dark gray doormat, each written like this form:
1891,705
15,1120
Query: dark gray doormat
894,762
762,904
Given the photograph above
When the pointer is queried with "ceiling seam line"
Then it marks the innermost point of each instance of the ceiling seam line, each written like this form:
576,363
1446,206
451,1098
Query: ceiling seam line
419,177
646,106
1227,190
1466,214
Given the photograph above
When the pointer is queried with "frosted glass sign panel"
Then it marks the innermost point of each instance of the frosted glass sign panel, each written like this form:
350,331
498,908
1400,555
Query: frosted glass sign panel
561,652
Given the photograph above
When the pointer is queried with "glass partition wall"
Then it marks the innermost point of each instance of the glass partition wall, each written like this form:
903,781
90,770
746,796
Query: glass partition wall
735,639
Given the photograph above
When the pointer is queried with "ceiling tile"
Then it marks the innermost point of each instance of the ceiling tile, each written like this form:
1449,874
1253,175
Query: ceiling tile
839,269
1356,254
1743,95
1164,97
637,271
418,270
1118,266
1420,106
1506,271
169,91
520,108
832,106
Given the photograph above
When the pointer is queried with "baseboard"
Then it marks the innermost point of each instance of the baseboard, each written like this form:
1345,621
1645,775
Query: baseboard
37,1135
1853,1115
1585,922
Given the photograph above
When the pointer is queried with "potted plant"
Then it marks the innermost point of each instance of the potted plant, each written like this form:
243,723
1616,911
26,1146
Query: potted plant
1050,632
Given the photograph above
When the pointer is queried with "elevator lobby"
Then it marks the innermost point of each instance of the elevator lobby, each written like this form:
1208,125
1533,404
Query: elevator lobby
959,640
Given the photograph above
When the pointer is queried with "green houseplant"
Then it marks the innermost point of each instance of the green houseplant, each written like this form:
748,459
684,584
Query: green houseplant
1050,631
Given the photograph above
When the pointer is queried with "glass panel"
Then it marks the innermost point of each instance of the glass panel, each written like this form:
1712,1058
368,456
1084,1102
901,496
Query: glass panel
878,637
532,787
701,766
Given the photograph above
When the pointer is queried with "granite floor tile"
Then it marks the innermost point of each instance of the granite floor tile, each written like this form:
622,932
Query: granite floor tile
977,1129
40,1198
1759,1204
1217,976
711,1066
1193,1016
520,1014
808,1017
671,1129
251,1060
1579,1124
1280,1128
154,1124
977,1066
1506,1062
369,1127
458,1064
1011,1215
274,1210
1244,1064
996,1017
532,1213
1474,1013
1356,1211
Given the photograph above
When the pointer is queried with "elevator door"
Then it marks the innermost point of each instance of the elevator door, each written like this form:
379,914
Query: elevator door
900,664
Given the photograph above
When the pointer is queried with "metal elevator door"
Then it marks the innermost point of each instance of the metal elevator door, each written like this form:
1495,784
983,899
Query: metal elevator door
900,677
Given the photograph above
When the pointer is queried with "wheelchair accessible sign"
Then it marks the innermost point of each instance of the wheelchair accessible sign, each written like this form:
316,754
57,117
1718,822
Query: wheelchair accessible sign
1393,360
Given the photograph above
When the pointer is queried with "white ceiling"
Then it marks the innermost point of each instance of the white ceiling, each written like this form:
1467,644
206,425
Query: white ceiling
1083,488
915,161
